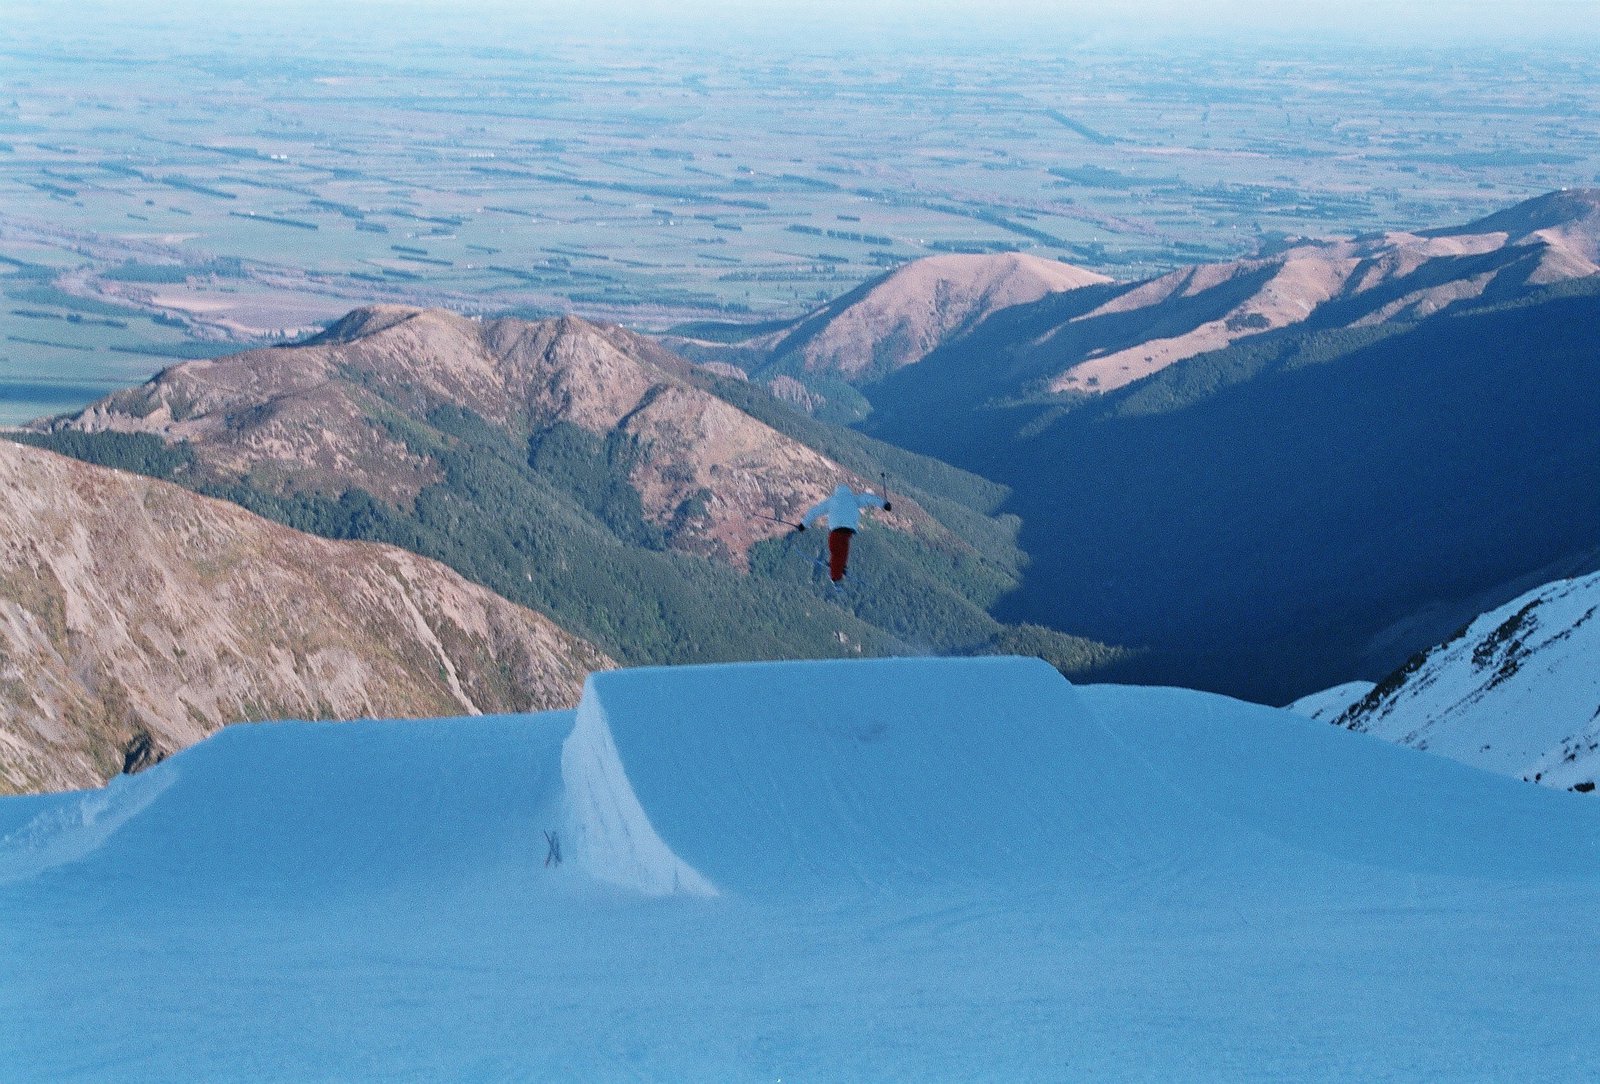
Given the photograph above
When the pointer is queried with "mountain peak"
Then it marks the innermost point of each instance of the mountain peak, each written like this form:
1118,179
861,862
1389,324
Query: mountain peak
901,317
365,321
997,267
1569,217
343,411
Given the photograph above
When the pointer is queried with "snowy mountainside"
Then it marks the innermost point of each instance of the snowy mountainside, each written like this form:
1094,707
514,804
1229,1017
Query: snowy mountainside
907,868
1516,692
1324,706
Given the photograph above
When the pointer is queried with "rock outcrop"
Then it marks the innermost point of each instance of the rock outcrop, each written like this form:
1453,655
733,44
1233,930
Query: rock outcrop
356,406
137,617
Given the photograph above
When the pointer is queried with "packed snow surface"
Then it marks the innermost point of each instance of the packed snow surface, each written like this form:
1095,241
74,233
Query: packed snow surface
890,869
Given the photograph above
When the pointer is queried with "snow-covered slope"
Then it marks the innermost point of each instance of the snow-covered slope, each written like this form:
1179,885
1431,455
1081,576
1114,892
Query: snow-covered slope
1517,691
903,868
814,780
1327,704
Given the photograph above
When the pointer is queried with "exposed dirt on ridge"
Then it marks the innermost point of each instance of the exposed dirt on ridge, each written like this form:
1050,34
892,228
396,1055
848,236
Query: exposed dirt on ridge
322,416
1396,275
137,617
899,319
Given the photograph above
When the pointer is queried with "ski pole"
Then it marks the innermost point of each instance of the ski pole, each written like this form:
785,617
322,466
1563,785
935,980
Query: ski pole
775,519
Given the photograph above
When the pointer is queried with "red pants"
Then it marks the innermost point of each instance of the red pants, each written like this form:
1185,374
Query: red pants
838,552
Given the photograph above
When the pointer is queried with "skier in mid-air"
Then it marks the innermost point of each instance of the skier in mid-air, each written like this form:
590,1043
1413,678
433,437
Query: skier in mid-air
843,511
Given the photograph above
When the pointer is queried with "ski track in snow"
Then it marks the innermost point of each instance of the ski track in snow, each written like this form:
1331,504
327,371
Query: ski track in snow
894,869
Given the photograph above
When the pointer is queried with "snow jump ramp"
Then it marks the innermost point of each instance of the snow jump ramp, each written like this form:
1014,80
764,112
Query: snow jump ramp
813,777
798,779
893,869
767,777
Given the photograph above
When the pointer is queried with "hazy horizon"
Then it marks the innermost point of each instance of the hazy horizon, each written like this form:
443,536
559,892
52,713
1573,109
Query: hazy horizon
807,23
644,165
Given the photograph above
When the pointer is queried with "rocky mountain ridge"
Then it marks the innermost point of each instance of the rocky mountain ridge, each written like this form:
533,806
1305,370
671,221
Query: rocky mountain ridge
1345,283
137,617
336,411
1066,331
1399,443
641,501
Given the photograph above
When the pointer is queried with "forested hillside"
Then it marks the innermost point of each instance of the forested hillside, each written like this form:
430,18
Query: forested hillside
586,474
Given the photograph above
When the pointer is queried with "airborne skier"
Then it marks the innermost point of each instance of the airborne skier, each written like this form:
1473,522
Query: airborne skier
843,512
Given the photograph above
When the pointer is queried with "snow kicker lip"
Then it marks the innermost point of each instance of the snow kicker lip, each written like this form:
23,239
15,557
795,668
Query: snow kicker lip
816,778
611,836
803,777
795,780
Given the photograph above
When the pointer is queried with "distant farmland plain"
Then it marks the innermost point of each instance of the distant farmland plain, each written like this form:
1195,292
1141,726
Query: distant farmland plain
162,199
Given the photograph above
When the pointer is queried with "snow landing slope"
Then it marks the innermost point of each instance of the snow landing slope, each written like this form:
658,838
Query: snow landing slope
908,868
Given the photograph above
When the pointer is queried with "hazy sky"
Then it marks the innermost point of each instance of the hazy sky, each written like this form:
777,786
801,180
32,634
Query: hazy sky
1485,16
1386,21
